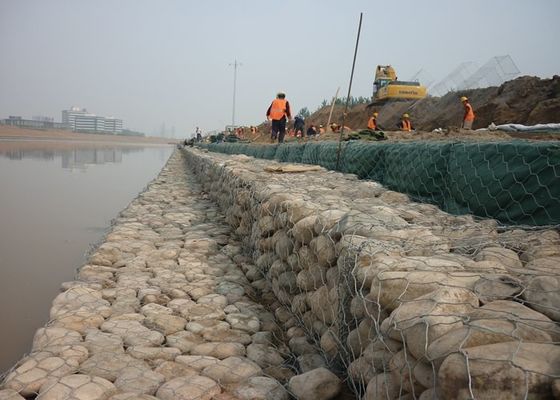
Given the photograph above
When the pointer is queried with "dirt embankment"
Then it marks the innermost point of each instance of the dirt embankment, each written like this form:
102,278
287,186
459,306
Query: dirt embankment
11,132
525,100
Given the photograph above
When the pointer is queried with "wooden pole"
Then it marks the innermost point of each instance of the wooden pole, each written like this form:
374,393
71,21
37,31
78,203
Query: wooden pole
332,107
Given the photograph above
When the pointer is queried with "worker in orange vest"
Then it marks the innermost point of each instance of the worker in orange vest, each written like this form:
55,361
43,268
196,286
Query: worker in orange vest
279,113
405,124
468,117
372,123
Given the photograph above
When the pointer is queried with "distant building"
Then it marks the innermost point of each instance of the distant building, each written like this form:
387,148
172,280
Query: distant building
35,123
79,120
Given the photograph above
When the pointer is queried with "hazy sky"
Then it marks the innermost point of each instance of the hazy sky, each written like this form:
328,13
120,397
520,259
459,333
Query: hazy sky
152,62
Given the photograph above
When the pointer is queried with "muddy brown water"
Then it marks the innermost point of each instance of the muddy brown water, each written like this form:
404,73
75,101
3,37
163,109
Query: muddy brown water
57,198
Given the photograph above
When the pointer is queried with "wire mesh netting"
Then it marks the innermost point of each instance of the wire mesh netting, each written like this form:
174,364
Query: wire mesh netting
399,299
515,182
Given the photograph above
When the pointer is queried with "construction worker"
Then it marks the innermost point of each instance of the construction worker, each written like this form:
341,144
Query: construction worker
279,113
405,124
372,123
468,118
321,130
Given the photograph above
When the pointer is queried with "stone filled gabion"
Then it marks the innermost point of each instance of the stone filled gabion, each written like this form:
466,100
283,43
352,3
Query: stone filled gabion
223,281
400,299
161,310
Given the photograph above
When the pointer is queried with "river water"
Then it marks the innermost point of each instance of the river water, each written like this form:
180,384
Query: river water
56,200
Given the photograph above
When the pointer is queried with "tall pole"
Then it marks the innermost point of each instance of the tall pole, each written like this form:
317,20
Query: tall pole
348,95
235,65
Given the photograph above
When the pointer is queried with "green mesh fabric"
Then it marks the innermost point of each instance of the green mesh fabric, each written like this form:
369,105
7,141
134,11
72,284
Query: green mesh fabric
515,182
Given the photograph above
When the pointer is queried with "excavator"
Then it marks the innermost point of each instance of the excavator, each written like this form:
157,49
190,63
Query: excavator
387,87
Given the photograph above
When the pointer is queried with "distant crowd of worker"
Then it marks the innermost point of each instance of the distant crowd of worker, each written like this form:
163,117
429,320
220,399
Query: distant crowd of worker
279,113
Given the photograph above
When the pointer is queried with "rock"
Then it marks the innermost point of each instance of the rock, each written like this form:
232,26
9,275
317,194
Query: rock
300,346
197,363
362,370
497,287
100,342
401,366
184,340
9,394
77,387
317,384
139,380
219,350
310,361
132,396
33,371
79,320
382,386
166,324
303,231
244,322
189,388
109,365
516,313
55,336
425,374
202,312
173,369
430,316
133,332
264,355
205,325
232,370
507,257
542,293
482,332
511,370
153,353
261,388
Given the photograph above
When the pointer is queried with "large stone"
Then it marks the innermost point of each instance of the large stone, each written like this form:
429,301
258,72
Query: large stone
193,387
232,370
10,394
166,324
172,369
55,336
383,386
242,322
184,340
264,355
543,294
482,332
511,370
198,363
317,384
153,353
430,316
77,387
219,350
518,314
109,365
100,342
133,332
139,380
33,371
261,388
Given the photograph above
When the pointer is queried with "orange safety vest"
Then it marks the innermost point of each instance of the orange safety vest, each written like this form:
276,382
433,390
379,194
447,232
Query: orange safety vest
469,113
278,109
406,125
372,124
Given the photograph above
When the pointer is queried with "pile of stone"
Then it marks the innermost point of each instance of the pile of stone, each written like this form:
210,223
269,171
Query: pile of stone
400,299
161,310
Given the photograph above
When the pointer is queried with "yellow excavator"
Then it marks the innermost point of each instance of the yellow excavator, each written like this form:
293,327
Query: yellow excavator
386,87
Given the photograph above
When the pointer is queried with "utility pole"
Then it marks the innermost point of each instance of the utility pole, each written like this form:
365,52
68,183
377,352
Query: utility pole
235,65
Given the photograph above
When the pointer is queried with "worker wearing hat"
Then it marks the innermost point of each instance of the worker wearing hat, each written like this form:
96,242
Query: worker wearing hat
372,123
468,117
279,113
405,124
